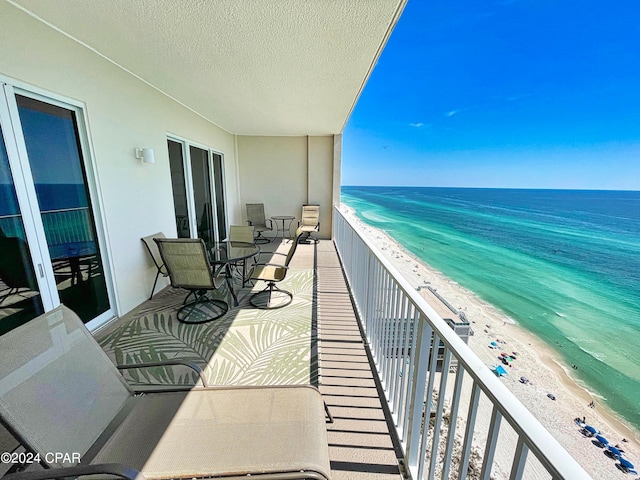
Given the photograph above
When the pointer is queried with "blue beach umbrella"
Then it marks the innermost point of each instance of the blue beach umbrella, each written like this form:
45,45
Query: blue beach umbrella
626,463
601,439
615,451
499,371
590,429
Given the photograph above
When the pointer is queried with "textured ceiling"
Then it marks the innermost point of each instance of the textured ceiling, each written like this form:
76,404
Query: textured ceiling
253,67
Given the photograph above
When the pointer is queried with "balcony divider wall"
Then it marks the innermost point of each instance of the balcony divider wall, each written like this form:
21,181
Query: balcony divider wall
401,329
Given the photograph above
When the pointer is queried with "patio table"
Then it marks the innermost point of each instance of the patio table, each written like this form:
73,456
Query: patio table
230,254
281,229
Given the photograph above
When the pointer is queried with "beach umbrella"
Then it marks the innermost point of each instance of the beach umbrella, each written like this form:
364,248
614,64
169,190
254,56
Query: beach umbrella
615,451
499,371
494,344
590,429
601,439
524,380
626,464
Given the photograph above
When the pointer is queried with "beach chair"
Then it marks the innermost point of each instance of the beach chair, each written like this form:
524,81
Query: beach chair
64,401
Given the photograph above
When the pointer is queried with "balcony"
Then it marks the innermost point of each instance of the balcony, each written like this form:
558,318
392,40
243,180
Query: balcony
374,375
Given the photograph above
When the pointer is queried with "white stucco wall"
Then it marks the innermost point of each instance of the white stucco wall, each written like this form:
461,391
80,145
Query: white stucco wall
286,172
123,113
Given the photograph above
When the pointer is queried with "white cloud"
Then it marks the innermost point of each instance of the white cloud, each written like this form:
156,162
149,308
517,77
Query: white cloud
417,124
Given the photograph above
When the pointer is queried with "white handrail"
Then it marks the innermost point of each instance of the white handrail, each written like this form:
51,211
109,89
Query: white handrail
400,328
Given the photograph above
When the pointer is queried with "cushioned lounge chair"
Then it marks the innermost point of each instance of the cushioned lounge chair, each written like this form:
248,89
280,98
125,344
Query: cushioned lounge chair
271,296
154,253
309,223
187,262
59,392
256,218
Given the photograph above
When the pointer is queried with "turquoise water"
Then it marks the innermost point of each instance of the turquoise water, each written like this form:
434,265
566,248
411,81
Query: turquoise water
565,265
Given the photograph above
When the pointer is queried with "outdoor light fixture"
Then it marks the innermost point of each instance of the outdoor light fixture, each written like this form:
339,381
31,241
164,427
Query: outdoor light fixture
146,155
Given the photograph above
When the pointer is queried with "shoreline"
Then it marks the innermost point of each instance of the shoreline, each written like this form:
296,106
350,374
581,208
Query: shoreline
544,367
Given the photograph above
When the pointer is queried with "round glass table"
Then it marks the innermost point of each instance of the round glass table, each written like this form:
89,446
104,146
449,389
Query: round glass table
230,255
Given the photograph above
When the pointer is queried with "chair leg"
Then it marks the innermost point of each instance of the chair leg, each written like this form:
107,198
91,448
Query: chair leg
261,238
154,284
190,313
269,291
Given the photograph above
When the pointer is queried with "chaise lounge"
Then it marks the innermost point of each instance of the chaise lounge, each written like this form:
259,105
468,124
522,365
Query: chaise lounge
59,392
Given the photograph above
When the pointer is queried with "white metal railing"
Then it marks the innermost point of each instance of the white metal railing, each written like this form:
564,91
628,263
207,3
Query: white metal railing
400,329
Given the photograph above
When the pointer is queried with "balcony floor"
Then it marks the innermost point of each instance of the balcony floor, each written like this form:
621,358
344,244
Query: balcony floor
315,340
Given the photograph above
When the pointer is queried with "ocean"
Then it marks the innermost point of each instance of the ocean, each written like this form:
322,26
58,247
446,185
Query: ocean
563,264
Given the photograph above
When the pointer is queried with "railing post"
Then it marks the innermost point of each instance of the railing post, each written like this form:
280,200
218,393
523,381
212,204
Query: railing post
468,436
492,440
417,394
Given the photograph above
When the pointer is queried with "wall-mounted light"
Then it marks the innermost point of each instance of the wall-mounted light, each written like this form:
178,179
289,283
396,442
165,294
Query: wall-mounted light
146,155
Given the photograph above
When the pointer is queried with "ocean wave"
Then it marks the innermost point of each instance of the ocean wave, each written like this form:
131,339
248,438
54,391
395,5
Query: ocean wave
597,355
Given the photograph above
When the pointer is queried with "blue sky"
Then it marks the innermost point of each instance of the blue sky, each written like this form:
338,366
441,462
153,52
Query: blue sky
512,93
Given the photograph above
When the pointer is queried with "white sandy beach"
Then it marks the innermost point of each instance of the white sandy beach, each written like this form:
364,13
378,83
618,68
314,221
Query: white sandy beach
546,372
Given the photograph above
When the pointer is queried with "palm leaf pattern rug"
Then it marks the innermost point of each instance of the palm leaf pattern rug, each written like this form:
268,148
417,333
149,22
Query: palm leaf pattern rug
246,346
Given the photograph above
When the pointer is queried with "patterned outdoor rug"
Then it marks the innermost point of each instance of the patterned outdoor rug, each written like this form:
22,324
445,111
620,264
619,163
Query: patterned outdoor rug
246,346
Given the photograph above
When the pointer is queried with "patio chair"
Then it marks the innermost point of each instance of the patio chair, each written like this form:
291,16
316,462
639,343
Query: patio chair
241,233
256,218
187,262
154,253
64,400
310,222
271,296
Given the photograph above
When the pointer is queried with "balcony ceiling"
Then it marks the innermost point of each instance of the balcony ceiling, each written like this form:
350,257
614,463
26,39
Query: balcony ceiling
253,67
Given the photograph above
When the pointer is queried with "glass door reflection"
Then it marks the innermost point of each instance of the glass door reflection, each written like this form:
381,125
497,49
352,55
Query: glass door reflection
20,299
55,158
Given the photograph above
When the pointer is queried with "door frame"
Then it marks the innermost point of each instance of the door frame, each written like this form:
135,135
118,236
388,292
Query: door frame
27,199
186,165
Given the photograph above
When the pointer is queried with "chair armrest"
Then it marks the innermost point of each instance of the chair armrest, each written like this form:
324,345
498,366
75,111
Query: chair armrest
193,366
116,469
271,265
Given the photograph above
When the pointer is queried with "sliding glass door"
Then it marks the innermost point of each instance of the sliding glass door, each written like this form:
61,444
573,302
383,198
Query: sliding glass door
20,298
197,178
46,216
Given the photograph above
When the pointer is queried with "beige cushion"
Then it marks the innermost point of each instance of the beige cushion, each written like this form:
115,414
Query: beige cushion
223,431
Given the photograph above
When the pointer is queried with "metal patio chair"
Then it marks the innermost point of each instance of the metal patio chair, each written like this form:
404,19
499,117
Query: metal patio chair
154,253
310,222
189,268
256,218
271,296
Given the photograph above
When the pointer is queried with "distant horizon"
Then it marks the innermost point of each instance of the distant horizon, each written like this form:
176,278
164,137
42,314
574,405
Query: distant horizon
502,94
